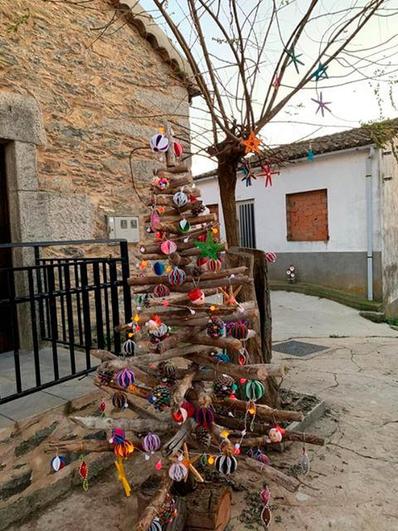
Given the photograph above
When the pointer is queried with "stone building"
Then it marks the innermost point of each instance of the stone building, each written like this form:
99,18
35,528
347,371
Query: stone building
76,97
332,215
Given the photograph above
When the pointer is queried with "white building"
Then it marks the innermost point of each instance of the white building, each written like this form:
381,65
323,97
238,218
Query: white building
335,218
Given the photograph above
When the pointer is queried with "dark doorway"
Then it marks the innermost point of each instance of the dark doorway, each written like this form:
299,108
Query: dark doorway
6,342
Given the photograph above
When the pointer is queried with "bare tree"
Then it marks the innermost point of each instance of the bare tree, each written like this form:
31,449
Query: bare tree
244,83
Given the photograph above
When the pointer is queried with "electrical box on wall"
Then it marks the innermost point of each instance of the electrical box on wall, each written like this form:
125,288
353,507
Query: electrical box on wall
123,227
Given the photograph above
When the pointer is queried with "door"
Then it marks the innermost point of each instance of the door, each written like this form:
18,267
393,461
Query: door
246,227
5,259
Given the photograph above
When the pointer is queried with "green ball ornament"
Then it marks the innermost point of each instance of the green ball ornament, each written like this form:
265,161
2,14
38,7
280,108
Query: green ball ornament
184,226
253,390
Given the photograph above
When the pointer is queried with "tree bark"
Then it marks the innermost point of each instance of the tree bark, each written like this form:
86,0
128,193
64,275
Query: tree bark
227,177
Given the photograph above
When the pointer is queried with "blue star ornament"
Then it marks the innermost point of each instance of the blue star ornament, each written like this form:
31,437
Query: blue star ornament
294,59
320,72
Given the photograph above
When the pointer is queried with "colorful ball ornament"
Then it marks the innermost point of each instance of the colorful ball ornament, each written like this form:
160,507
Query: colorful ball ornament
178,149
151,443
124,449
155,525
168,247
124,378
158,268
159,143
184,226
226,464
119,400
180,199
204,416
161,397
57,463
253,390
214,265
128,348
238,329
215,327
197,296
161,290
177,277
158,334
178,471
118,436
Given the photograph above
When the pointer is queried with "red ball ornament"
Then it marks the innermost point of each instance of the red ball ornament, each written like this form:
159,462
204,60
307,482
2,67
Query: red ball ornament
178,150
202,262
196,296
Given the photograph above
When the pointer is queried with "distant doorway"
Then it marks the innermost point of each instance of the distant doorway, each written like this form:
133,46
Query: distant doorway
246,226
6,343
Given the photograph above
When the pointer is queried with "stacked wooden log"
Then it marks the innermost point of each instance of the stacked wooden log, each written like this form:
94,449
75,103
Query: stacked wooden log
185,366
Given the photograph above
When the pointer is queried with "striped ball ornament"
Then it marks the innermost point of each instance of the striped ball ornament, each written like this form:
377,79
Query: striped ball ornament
238,329
159,333
180,199
159,143
253,390
226,464
119,400
176,277
124,378
155,525
178,471
128,348
161,290
151,443
214,265
215,327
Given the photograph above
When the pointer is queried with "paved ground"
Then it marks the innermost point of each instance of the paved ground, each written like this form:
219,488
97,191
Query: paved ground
297,315
353,483
54,396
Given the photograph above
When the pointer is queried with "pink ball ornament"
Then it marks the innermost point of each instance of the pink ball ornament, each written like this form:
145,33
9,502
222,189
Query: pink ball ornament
178,471
168,247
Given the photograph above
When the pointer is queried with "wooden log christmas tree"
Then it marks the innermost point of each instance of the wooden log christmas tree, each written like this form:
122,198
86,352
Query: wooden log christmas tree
185,364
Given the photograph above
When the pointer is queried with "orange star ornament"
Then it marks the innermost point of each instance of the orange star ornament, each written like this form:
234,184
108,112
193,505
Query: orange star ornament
252,143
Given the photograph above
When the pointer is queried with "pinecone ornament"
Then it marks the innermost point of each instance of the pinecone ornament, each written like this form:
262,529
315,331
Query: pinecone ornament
223,385
105,376
203,437
167,372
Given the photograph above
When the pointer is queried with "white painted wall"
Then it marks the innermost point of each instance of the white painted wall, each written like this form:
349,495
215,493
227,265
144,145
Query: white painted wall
341,173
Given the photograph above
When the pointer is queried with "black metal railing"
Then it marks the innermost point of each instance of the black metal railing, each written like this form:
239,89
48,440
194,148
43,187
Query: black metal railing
56,310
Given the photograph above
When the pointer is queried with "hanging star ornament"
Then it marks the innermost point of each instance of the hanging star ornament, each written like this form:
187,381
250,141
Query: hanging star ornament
209,248
322,105
310,154
248,173
251,143
294,59
320,72
267,172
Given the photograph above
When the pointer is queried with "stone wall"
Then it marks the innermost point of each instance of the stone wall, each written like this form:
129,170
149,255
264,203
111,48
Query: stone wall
389,220
94,94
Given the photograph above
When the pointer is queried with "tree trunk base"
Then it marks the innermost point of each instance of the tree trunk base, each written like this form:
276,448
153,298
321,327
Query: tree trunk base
209,508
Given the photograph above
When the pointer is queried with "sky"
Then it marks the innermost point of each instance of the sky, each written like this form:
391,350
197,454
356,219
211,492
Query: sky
351,93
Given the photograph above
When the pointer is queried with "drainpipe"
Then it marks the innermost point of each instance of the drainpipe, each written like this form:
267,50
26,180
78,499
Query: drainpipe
369,220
